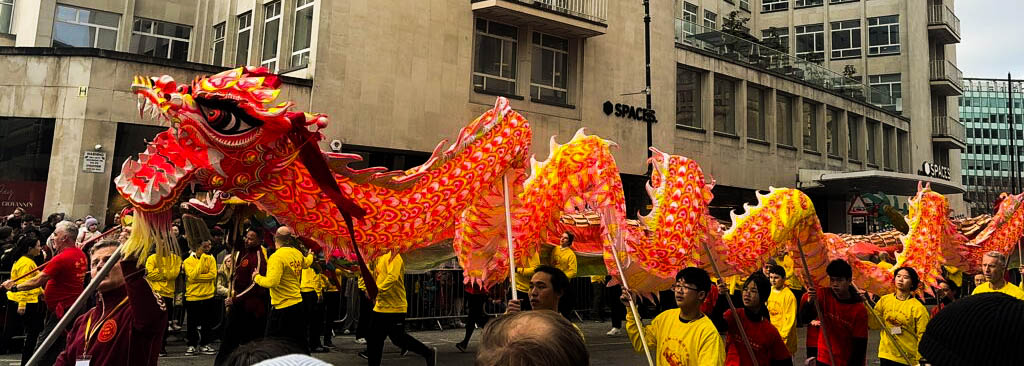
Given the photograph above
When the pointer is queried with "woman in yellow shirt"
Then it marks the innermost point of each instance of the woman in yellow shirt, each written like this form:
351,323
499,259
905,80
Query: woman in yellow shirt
904,317
24,307
284,272
200,307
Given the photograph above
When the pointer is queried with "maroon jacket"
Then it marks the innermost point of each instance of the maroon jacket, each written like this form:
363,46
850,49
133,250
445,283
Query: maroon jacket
131,335
256,299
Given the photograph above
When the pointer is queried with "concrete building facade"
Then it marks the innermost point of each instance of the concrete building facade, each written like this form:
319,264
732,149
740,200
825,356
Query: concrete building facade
397,77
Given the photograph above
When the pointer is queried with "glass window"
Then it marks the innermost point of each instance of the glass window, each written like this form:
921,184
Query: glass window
725,105
244,31
710,19
810,42
79,27
745,5
494,67
784,119
160,39
832,135
886,91
872,137
810,126
884,35
550,68
773,5
781,38
854,132
846,39
756,113
687,97
303,33
6,14
807,3
271,34
218,43
689,22
887,142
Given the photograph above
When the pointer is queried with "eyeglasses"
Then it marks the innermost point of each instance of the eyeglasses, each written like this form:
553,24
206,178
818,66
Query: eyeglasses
679,287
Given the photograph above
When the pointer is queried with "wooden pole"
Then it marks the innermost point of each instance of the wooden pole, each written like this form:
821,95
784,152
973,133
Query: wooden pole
892,338
817,305
508,236
728,299
632,304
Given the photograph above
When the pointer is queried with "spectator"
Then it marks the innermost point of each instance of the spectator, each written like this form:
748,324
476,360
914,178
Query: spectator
284,270
200,277
546,289
846,318
770,348
24,310
64,276
532,338
993,267
247,303
224,278
782,308
982,329
684,335
126,325
162,273
945,294
92,230
904,317
390,311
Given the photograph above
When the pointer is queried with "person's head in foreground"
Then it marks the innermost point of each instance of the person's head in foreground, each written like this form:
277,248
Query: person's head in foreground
982,329
691,287
993,264
840,276
547,286
98,256
532,338
262,350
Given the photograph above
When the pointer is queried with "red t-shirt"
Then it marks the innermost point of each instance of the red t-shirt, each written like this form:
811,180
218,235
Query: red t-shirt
67,279
764,338
843,322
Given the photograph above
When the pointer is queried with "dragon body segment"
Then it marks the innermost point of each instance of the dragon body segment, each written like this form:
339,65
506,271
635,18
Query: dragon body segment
223,138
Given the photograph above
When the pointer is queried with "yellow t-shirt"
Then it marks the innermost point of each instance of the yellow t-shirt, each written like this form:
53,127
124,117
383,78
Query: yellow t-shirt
886,266
791,279
23,266
1008,288
675,343
162,273
525,274
389,273
284,269
565,260
310,279
326,282
911,318
782,311
200,277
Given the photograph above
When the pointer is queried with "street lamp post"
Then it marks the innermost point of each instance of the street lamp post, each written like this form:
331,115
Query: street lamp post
647,65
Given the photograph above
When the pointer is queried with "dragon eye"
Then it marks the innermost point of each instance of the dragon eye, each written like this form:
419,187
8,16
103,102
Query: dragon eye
225,122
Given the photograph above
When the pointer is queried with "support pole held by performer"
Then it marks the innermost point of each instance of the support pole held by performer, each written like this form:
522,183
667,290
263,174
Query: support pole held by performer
508,236
632,304
817,305
728,299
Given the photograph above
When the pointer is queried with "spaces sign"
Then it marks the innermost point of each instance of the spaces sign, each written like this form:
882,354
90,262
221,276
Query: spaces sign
630,112
933,170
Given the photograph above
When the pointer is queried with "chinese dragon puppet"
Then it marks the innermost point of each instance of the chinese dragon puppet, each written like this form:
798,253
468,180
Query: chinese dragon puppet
226,136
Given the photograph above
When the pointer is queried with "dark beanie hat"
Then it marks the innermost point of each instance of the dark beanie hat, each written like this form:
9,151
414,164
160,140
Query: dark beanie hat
982,329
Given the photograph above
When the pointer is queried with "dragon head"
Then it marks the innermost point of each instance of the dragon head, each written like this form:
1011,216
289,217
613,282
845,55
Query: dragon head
221,136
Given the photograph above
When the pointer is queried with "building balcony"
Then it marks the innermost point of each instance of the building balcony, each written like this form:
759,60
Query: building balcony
943,25
948,132
946,79
564,18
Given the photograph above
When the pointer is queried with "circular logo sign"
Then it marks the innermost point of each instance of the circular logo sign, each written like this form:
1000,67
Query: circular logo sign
108,331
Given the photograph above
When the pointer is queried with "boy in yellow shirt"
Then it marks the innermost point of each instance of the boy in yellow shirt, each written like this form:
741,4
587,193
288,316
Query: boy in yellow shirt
162,274
200,307
782,307
389,312
682,336
284,271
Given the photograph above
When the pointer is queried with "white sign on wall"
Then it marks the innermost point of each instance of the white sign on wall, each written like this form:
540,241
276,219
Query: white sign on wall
94,162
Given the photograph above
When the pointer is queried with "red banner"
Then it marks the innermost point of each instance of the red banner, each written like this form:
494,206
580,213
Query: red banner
28,195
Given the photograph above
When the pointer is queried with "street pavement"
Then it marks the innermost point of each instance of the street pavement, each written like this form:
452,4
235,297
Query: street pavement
604,350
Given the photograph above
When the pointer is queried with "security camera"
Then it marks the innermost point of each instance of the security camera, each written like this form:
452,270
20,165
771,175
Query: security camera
336,145
98,147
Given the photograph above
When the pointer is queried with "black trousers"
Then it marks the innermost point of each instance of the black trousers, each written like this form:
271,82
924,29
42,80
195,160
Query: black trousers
332,309
365,317
30,323
242,327
169,305
391,325
476,314
611,297
885,362
290,323
315,313
201,320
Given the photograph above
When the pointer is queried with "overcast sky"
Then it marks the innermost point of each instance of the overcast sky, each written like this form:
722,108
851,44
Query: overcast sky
992,38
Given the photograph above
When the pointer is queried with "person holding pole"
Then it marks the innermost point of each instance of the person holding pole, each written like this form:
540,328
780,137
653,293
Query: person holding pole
64,276
993,266
905,319
127,324
24,309
845,323
546,289
390,311
284,270
247,303
769,348
681,336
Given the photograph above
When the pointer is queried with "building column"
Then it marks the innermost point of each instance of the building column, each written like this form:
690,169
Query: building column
862,134
770,120
33,22
798,123
822,132
844,138
707,105
741,110
124,34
